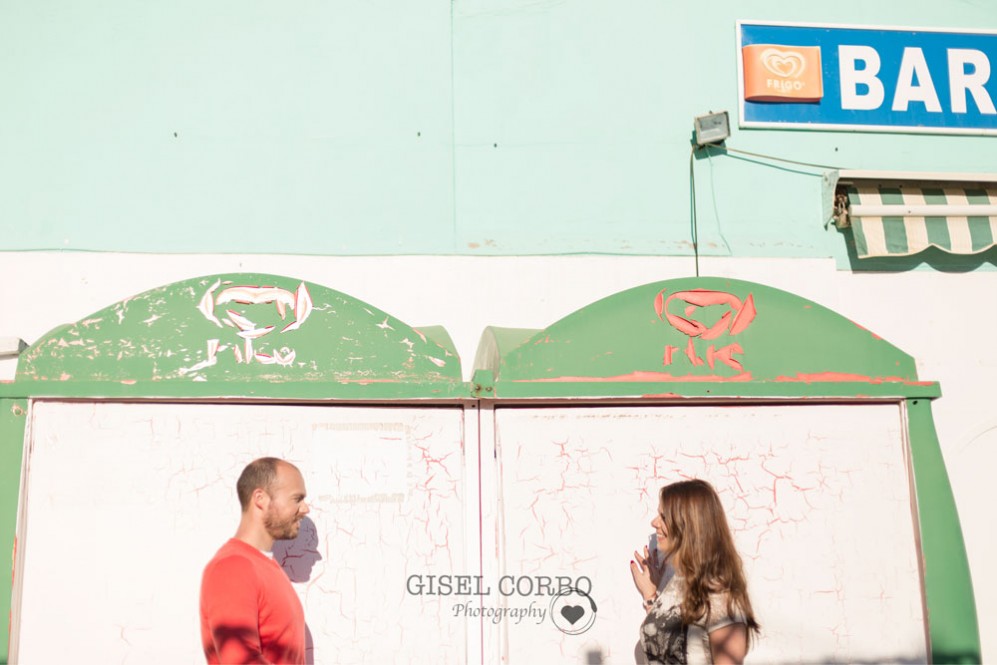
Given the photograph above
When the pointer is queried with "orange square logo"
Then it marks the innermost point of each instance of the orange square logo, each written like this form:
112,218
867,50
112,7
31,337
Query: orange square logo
775,73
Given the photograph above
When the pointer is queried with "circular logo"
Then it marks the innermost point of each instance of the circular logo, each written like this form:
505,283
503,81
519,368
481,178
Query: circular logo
572,611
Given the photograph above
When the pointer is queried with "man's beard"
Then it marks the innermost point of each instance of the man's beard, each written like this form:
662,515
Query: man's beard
281,529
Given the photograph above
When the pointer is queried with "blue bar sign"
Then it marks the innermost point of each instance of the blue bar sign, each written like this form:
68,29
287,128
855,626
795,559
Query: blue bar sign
863,78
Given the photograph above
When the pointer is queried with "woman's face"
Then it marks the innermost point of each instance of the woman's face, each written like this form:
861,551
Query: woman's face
661,532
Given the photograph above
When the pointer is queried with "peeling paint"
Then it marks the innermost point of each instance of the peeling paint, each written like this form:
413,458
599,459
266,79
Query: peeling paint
638,377
844,377
245,329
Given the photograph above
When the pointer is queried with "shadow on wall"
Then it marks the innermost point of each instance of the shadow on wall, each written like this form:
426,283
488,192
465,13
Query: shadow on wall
298,557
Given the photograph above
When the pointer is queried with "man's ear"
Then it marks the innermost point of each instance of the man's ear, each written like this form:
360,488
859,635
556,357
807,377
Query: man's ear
260,498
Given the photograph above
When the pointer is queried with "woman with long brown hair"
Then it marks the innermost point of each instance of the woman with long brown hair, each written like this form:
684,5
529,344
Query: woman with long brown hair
693,584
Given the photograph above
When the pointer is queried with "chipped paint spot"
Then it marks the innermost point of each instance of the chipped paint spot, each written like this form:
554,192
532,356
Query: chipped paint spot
302,308
207,305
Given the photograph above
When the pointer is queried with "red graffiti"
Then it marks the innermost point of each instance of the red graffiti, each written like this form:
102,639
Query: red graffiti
739,317
734,321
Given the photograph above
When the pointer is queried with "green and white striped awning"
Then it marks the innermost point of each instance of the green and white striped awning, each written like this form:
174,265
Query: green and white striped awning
900,219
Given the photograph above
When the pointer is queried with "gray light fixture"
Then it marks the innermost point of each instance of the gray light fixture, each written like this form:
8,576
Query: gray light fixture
712,128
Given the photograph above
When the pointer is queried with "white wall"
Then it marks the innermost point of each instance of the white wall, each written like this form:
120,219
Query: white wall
922,312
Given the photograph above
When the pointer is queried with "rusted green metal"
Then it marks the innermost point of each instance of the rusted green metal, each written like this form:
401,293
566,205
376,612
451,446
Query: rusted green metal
697,337
13,420
241,335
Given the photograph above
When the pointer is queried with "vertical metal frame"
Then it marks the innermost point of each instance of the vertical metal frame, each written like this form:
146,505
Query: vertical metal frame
13,425
952,621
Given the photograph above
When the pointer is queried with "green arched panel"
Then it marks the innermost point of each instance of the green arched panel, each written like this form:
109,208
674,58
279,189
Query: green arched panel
242,335
697,337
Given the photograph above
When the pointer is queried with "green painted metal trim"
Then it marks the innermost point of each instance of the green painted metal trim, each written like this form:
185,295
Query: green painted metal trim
697,337
948,588
329,391
242,335
651,390
13,420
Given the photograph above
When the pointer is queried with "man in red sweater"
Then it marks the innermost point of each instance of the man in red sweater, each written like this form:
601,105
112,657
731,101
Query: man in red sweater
250,613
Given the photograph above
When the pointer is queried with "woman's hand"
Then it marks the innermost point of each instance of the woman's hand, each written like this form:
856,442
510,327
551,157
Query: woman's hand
646,571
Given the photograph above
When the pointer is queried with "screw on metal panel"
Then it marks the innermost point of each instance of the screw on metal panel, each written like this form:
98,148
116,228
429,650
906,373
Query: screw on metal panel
488,389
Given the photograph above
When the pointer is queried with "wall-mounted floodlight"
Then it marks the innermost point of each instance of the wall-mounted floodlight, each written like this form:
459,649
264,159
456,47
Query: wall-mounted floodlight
712,128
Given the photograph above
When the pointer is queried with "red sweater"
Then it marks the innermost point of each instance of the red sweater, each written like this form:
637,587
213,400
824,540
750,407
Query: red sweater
249,610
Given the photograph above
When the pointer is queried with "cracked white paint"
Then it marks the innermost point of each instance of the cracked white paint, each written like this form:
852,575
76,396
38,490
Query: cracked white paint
818,496
126,503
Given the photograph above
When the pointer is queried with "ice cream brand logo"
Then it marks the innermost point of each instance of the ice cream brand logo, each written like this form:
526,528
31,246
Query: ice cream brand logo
737,318
787,64
774,73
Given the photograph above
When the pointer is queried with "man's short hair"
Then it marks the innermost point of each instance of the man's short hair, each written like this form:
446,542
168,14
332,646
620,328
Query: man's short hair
258,474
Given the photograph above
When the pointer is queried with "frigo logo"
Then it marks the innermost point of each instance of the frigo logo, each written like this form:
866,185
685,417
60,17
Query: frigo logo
776,73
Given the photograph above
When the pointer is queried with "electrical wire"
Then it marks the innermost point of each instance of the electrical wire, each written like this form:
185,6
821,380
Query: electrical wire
771,157
692,209
716,208
692,187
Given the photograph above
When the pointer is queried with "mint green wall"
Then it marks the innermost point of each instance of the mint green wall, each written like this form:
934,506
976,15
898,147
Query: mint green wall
471,127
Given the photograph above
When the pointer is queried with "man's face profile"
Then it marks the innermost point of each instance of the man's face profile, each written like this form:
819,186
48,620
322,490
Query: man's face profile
286,505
